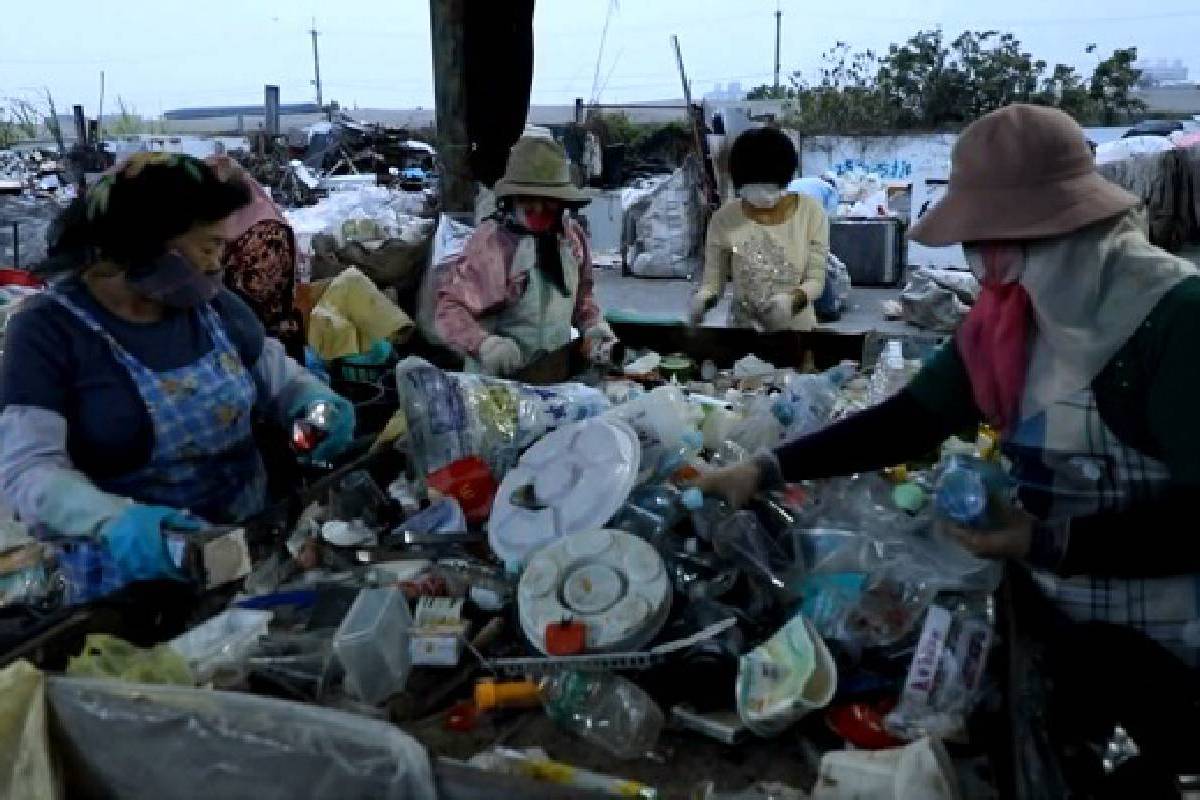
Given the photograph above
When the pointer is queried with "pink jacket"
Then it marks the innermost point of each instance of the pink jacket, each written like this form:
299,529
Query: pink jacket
479,283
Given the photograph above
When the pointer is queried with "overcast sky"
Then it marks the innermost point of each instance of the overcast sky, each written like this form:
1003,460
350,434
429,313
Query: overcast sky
376,53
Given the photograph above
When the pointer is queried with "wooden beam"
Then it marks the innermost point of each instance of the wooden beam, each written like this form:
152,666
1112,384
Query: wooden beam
447,20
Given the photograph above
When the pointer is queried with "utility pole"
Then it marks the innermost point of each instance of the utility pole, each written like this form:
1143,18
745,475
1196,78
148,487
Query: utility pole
447,23
317,62
778,27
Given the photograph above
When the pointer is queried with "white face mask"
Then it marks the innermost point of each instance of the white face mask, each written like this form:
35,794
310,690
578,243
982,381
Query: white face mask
761,195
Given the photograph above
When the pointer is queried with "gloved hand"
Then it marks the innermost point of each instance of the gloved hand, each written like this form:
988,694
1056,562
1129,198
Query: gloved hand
699,307
500,356
777,316
601,331
736,484
340,431
135,540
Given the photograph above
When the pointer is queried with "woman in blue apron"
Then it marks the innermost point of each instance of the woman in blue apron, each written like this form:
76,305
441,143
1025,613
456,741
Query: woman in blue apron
1082,350
128,389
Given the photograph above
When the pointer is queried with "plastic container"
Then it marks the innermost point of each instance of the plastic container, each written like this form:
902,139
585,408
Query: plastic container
491,694
372,644
606,710
614,583
571,481
226,639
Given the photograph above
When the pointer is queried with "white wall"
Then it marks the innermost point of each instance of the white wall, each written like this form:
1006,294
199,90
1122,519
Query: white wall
917,158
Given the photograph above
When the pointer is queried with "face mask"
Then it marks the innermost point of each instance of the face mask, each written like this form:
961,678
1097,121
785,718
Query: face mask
174,281
761,195
539,221
995,264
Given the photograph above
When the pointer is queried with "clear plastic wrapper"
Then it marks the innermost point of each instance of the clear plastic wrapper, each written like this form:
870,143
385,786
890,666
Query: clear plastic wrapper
946,675
739,537
453,416
225,640
668,429
135,740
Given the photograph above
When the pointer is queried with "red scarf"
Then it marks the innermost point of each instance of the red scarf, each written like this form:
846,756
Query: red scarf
994,338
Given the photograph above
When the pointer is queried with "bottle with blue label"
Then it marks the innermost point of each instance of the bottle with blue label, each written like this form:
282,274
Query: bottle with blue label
971,492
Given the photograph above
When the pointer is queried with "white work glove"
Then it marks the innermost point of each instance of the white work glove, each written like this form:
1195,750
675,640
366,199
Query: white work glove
699,307
500,356
600,332
777,316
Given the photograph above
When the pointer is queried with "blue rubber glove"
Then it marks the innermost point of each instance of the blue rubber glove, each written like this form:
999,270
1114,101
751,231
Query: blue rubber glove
341,429
135,540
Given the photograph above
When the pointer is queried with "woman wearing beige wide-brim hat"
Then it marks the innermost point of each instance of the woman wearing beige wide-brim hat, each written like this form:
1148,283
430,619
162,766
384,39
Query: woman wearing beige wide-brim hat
1082,351
525,276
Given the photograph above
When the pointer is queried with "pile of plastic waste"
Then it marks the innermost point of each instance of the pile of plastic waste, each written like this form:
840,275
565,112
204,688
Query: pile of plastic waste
639,613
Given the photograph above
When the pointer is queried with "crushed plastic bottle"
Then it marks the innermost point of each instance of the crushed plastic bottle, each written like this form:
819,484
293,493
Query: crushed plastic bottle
892,373
606,710
653,511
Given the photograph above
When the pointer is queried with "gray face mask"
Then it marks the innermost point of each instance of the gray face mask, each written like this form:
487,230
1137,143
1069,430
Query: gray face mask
174,281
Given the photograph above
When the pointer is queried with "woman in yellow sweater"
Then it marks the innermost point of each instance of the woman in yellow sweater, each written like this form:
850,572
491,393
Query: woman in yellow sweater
770,243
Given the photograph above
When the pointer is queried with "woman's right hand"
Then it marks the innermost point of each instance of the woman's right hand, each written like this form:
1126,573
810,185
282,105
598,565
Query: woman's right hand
736,484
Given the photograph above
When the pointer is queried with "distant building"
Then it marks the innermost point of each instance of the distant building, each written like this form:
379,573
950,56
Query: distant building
1162,72
1183,98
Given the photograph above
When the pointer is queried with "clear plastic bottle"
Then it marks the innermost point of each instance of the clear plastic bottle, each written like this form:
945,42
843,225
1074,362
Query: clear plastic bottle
606,710
962,493
653,511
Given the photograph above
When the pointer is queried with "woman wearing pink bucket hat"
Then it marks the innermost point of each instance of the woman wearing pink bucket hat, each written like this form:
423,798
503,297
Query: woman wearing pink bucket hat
1081,350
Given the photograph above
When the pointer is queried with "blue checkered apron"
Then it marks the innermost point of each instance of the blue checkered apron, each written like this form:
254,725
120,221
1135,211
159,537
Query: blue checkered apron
204,458
1068,463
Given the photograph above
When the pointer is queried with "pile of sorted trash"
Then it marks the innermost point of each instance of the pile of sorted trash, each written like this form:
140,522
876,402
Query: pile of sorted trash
516,557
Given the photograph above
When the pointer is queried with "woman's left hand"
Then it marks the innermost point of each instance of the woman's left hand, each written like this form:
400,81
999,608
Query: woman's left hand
1012,540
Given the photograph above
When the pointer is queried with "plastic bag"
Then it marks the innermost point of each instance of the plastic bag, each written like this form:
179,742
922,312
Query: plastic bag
946,674
27,771
138,740
740,538
667,426
448,242
226,639
807,402
453,416
107,656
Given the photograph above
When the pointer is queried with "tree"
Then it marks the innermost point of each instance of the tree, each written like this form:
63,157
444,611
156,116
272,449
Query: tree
932,84
769,92
1065,89
1112,84
846,99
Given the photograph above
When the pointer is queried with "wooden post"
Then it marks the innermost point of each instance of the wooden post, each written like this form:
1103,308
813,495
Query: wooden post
447,20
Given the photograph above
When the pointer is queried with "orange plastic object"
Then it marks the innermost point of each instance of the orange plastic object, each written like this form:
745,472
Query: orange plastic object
490,694
470,482
566,638
685,474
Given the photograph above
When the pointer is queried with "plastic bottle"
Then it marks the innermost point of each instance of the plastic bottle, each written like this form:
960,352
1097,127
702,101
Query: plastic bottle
962,494
653,511
606,710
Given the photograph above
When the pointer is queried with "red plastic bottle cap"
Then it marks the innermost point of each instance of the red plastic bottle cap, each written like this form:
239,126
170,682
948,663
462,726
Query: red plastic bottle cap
462,717
861,724
566,638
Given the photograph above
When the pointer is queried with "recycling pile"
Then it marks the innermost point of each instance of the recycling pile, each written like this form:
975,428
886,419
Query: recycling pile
541,557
